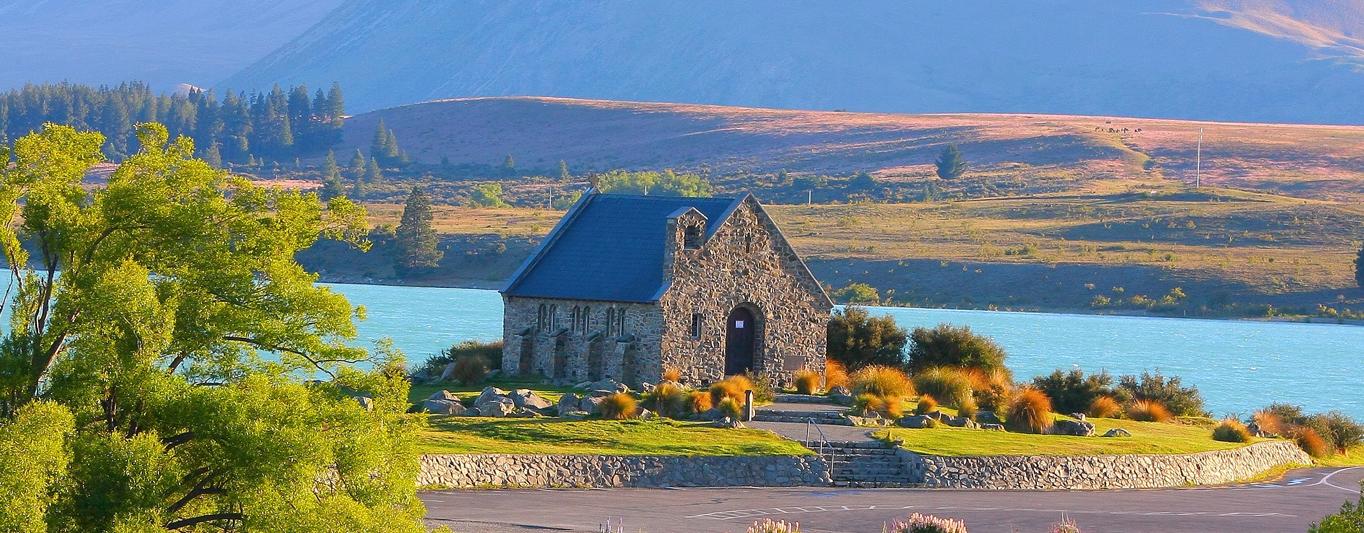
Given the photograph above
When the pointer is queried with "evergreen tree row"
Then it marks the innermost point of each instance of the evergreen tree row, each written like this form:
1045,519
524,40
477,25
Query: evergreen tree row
240,128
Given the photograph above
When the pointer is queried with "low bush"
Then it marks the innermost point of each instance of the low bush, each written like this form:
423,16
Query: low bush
730,407
1104,407
1073,391
991,388
968,409
835,375
886,406
1339,430
619,406
807,381
1270,422
1311,442
883,381
1350,519
768,525
1149,411
1169,392
764,390
857,339
926,405
435,365
1230,430
948,345
1029,412
921,523
950,386
671,400
730,387
672,373
470,369
700,401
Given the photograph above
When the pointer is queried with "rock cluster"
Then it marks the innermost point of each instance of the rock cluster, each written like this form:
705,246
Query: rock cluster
493,402
546,471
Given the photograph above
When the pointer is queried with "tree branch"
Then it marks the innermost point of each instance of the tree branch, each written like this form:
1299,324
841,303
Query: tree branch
274,348
186,522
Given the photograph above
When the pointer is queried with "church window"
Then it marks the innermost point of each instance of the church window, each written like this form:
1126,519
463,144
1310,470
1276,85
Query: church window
692,237
697,320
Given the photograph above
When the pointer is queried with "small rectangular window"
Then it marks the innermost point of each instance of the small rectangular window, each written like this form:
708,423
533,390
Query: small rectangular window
696,321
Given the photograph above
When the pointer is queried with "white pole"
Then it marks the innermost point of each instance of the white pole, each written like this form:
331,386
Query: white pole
1198,165
809,198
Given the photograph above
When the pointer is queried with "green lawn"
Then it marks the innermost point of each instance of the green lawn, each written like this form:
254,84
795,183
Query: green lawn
448,434
1147,438
1354,457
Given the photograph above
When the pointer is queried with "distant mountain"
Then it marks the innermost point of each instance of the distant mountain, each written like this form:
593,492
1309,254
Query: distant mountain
1245,60
164,43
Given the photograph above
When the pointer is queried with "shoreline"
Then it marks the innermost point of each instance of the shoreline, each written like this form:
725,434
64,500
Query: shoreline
483,284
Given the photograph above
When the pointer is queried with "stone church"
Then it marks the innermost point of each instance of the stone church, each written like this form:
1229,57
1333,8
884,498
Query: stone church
626,286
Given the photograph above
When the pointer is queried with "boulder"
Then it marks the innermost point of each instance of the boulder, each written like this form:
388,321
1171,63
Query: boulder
992,427
918,422
988,417
574,415
490,394
449,372
1078,416
938,415
646,387
839,398
1118,432
1074,428
591,404
569,403
444,407
527,399
607,384
645,414
444,395
960,422
497,409
728,423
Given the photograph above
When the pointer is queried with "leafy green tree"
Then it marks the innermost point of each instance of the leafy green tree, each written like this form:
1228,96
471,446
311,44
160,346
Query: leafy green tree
487,195
858,293
209,380
416,238
948,345
566,201
950,164
665,183
857,339
33,445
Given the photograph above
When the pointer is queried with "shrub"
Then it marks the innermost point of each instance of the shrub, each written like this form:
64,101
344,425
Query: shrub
926,405
882,381
1270,422
1149,411
1029,412
948,385
1311,442
857,293
764,390
1231,430
886,406
435,365
1339,430
1073,391
920,523
672,373
968,409
1350,519
700,401
767,525
807,381
730,407
992,388
619,406
948,345
1182,401
1104,407
730,387
856,339
470,369
671,400
835,375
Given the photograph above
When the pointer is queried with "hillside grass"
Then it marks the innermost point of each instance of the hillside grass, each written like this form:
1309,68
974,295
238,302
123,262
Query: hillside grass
1147,438
447,434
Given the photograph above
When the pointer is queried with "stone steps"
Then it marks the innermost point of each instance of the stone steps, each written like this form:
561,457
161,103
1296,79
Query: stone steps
862,464
830,418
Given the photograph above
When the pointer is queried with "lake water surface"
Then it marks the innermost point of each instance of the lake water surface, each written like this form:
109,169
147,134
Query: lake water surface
1238,365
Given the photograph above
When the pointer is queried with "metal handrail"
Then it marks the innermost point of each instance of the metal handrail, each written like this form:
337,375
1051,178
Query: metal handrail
823,445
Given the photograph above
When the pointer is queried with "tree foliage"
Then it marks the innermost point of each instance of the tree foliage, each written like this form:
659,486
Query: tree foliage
1073,391
856,339
665,183
1181,400
948,345
950,164
1350,519
183,342
487,195
416,238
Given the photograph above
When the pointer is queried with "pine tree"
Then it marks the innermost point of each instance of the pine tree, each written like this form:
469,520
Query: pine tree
379,144
416,239
1359,267
372,173
336,102
357,188
564,175
213,156
949,164
331,178
357,165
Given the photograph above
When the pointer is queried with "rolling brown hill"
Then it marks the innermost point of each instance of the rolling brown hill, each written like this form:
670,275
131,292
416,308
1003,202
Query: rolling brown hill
1047,153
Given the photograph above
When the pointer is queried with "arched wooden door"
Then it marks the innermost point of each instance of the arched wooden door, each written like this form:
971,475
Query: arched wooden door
740,341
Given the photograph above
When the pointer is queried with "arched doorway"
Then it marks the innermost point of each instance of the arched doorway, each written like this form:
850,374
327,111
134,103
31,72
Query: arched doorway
740,341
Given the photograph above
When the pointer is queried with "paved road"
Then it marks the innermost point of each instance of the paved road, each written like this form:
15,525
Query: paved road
1290,504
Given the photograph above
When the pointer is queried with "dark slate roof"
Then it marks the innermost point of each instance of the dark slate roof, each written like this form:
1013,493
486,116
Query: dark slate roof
609,247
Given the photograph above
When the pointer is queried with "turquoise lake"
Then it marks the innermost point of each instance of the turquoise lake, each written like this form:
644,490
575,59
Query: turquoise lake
1238,365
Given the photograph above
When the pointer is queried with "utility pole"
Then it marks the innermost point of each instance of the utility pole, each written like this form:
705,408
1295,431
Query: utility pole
809,198
1198,164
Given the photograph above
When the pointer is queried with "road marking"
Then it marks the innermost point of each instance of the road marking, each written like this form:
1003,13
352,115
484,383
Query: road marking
1327,480
750,513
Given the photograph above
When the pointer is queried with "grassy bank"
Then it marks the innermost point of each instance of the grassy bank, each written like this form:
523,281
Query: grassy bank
605,437
1147,438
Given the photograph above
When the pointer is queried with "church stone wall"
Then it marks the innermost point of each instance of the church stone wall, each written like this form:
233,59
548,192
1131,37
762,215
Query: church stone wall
745,263
628,353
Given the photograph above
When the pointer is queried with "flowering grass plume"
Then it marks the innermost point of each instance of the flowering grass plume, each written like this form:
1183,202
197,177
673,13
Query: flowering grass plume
922,523
767,525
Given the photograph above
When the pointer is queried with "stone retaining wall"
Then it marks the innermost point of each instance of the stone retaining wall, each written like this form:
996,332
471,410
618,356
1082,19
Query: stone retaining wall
1102,471
544,471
